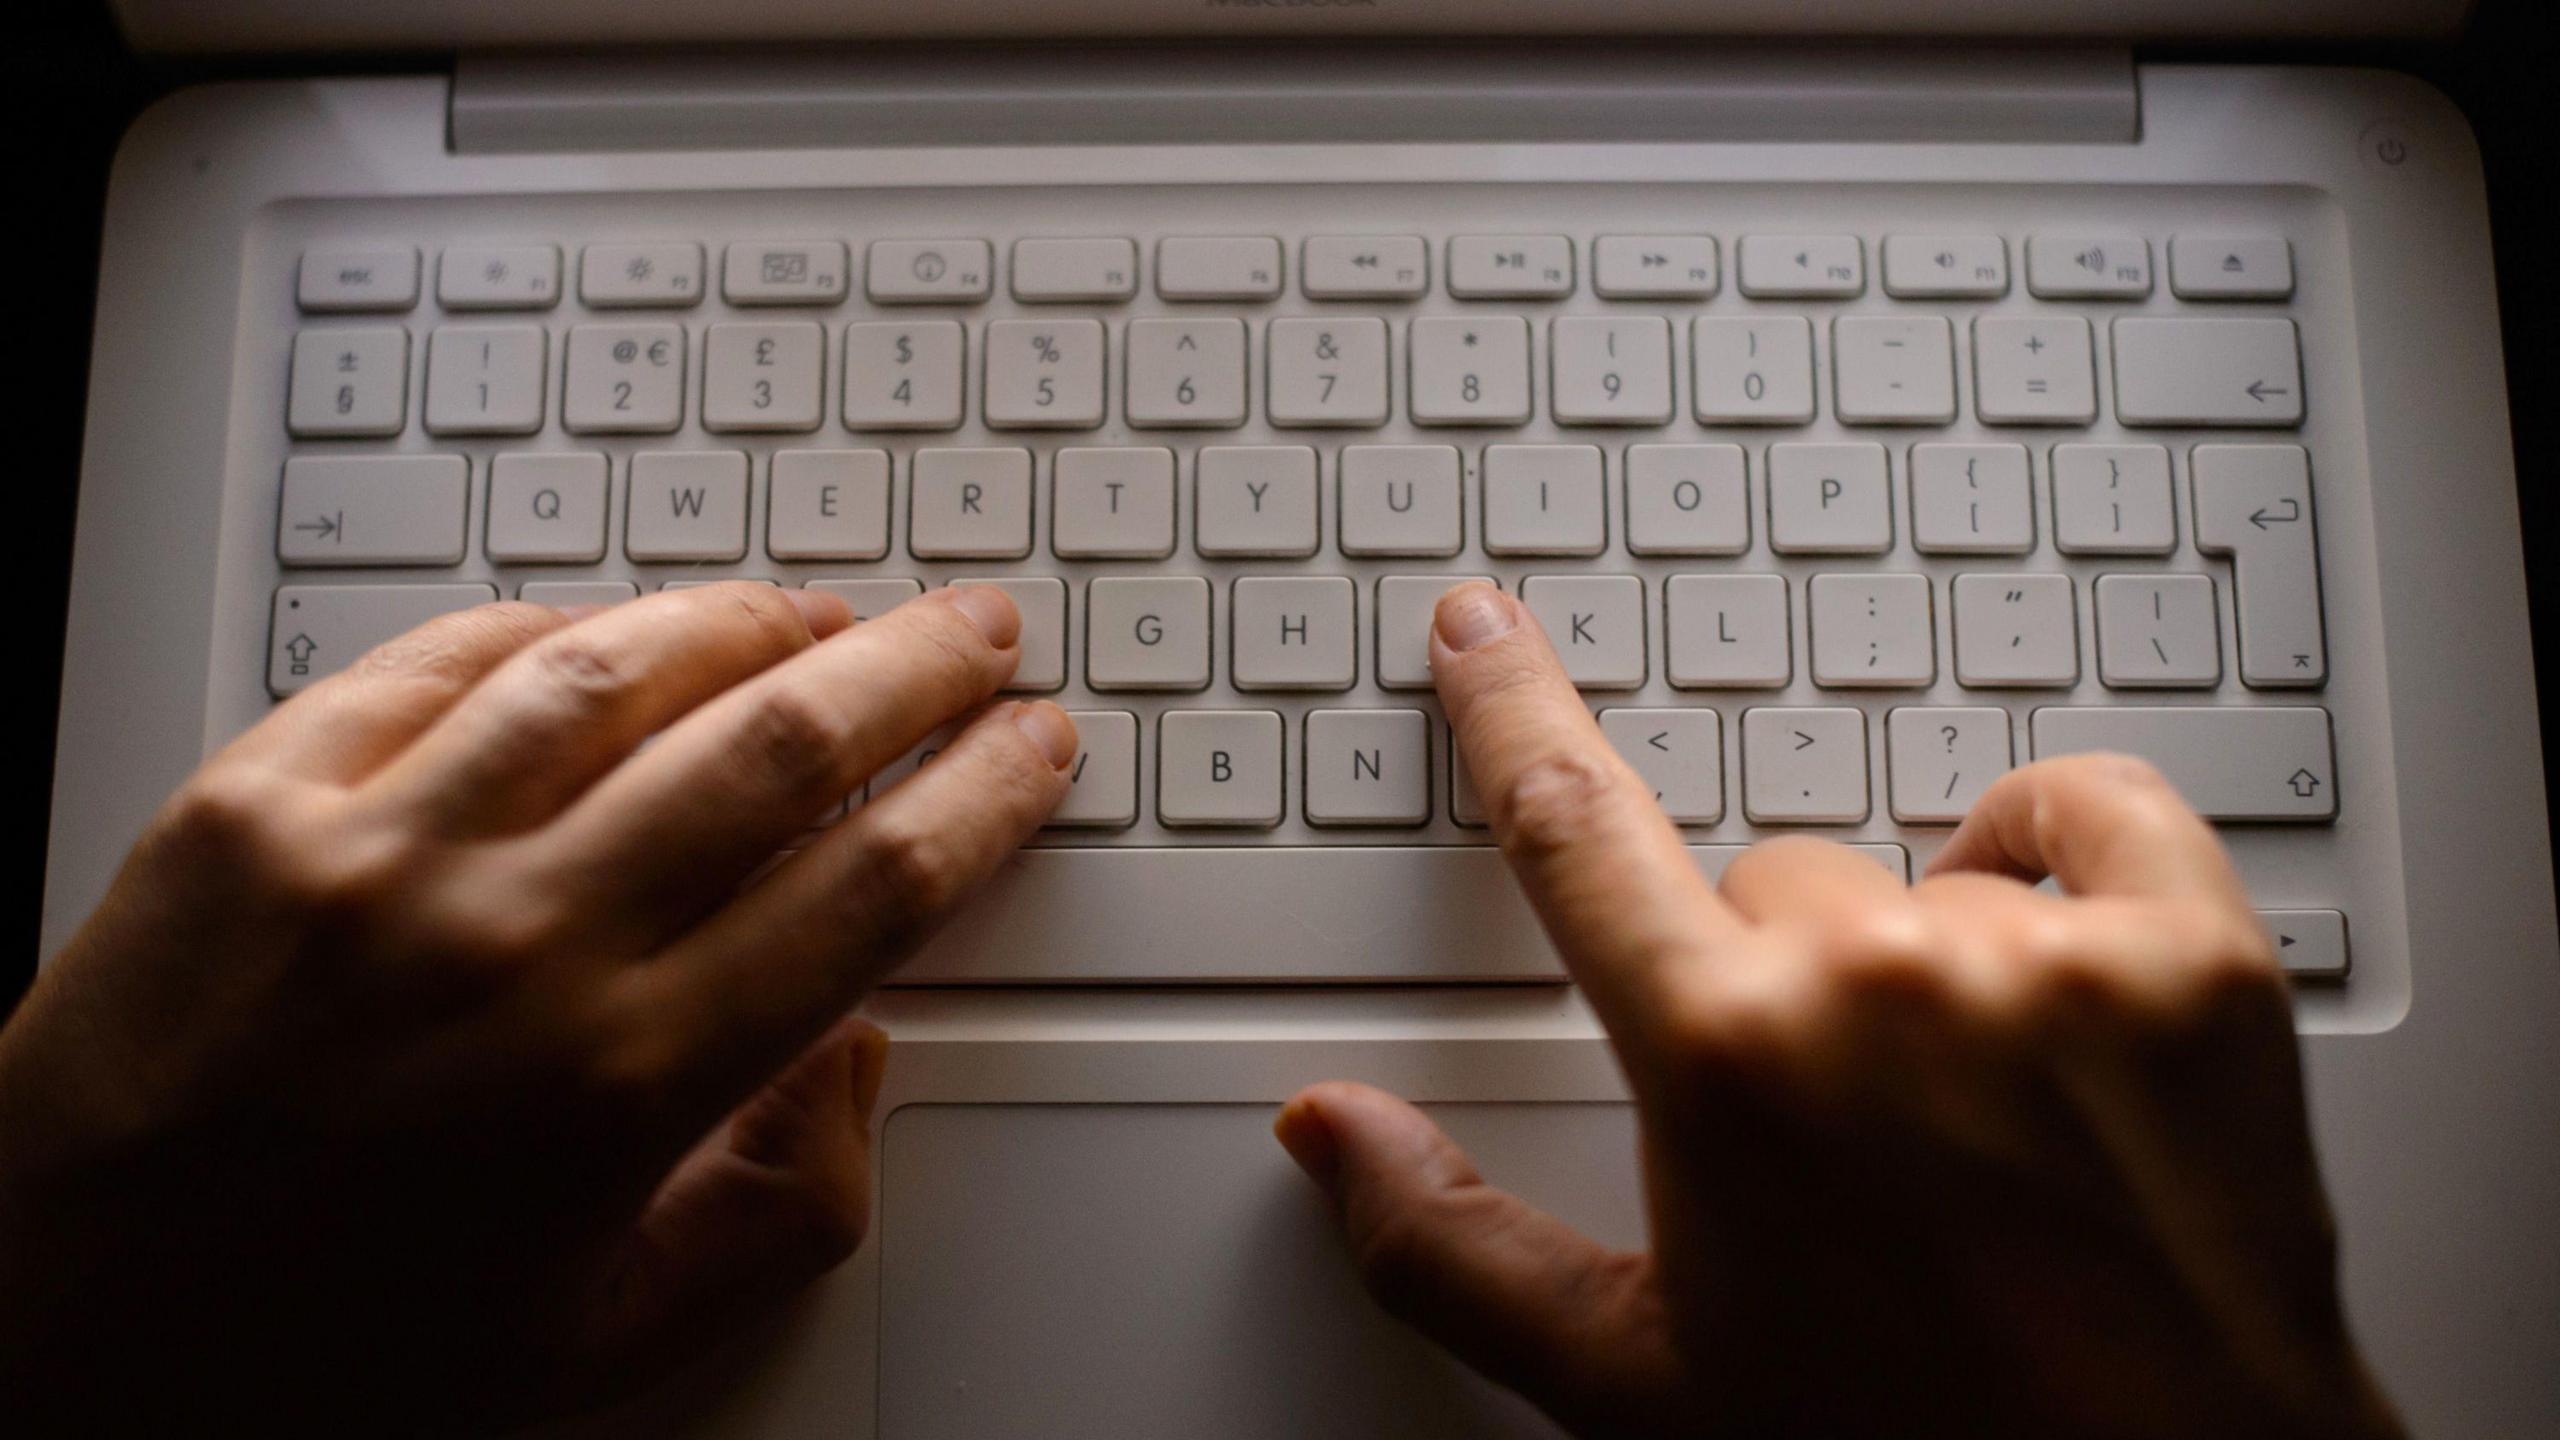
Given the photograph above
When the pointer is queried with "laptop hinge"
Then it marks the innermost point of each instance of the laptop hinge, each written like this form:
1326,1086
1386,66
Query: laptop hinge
1664,91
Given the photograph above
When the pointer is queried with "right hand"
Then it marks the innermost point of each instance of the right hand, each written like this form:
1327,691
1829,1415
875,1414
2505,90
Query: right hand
1954,1158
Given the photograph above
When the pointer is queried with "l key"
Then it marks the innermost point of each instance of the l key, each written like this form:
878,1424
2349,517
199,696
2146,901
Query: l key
2253,503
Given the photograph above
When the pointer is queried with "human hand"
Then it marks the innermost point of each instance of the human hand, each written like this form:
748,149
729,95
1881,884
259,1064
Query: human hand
1953,1158
431,1057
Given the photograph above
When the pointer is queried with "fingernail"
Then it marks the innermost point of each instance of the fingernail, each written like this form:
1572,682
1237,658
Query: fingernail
1050,729
991,610
826,614
870,1064
1472,615
1303,1131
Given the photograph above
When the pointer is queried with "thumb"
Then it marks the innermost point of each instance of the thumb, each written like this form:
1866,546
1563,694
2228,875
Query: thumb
1525,1299
775,1197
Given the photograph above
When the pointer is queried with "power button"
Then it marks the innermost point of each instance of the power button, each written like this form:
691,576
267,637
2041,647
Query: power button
2387,145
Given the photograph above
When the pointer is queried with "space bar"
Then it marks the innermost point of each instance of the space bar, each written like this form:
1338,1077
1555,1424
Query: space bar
1234,915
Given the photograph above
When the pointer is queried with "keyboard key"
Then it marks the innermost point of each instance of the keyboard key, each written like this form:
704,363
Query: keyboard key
687,505
624,379
349,383
871,599
2231,267
1070,270
2158,632
2230,762
1364,267
904,375
1219,768
1045,374
486,379
1872,630
2310,944
1295,632
1814,267
1328,372
1611,370
1400,500
547,508
969,504
1255,500
1939,761
1893,370
370,278
1112,504
1753,372
1186,373
2016,631
2253,503
1946,267
1687,500
1804,766
373,510
808,272
658,275
1504,267
2086,267
1102,781
319,630
1469,370
1595,622
499,277
1226,267
2112,500
1971,500
1368,767
1042,599
1544,500
1147,633
1830,500
564,593
1727,632
763,377
2034,370
1654,267
828,505
1680,753
2208,372
913,272
1405,607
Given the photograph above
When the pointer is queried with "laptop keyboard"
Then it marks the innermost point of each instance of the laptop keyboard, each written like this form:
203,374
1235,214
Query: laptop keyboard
1832,528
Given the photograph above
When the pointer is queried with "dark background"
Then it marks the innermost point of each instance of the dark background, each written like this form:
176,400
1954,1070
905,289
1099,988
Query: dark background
68,89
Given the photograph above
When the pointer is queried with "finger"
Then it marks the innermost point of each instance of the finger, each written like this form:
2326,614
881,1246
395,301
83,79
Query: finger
1524,1298
2098,824
342,728
1804,881
1606,871
543,726
775,1197
757,979
2026,941
673,831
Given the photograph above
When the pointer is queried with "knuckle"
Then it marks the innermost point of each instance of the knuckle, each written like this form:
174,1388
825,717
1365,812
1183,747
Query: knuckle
771,619
1742,1026
1392,1252
1554,803
1883,951
587,674
915,875
793,740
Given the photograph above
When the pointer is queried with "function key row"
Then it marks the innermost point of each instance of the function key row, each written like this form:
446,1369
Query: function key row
1105,270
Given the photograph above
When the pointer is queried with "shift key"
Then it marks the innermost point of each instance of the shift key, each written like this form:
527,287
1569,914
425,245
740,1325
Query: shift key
2260,762
321,629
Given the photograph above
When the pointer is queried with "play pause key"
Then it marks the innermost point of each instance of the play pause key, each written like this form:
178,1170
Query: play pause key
2311,944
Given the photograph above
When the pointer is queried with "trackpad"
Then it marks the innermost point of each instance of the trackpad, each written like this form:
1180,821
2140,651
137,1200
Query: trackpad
1133,1271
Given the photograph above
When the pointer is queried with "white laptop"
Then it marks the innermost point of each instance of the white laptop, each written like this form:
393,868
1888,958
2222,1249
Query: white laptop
1862,418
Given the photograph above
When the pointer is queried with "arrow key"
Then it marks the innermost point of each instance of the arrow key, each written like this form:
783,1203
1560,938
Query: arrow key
2310,944
1680,753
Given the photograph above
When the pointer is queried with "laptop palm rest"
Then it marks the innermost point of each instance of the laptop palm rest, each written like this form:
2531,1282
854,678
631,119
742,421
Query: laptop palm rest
1134,1271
